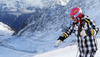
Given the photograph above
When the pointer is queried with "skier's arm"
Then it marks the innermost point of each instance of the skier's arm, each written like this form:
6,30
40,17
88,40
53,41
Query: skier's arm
92,24
65,35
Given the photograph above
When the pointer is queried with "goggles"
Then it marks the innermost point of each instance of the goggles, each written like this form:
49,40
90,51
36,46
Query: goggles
73,18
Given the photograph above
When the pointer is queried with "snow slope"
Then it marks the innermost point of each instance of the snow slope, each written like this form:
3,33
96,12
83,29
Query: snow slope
5,52
5,35
69,51
5,31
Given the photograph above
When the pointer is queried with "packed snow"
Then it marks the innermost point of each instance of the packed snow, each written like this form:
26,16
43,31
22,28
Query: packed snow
69,51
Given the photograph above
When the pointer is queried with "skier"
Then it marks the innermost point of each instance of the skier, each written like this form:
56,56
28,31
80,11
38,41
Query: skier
85,29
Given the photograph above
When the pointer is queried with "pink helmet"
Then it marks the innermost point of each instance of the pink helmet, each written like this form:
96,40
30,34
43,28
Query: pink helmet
76,12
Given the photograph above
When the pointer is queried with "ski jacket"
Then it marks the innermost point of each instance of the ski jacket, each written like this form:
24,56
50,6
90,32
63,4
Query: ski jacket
87,43
85,23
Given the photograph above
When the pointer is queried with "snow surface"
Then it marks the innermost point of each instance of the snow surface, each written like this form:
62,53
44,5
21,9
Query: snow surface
5,31
69,51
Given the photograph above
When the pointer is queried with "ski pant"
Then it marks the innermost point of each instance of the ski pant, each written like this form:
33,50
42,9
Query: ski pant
87,54
87,46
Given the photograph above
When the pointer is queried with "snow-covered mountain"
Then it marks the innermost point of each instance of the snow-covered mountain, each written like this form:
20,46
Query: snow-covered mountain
45,20
5,31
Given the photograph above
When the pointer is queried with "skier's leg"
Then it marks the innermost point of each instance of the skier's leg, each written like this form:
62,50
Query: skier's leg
87,54
90,54
81,54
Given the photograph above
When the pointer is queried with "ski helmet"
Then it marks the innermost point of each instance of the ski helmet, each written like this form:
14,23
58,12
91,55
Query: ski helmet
75,12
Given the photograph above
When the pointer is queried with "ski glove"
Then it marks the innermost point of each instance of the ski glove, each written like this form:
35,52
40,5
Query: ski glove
60,40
